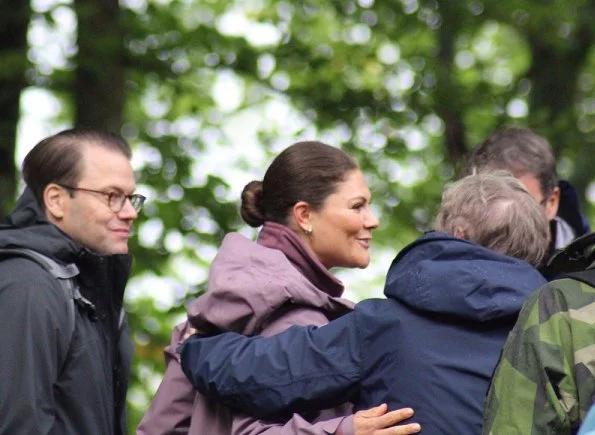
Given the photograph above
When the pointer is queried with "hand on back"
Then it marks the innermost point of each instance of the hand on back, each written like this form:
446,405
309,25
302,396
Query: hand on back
377,421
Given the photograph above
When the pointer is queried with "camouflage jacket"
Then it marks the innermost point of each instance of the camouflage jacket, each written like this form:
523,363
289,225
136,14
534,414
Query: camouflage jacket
545,380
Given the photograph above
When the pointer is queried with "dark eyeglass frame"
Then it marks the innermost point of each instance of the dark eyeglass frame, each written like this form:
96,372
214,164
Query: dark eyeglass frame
115,200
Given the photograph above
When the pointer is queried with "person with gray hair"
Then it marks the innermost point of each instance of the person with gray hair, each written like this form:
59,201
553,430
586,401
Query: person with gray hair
492,211
530,158
452,297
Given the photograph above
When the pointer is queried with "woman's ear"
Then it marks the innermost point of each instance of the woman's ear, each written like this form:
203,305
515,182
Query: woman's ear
54,201
301,213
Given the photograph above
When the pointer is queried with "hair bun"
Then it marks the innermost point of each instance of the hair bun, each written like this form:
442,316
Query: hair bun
252,209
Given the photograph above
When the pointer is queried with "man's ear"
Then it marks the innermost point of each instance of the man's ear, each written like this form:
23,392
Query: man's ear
54,199
461,228
301,213
552,203
459,233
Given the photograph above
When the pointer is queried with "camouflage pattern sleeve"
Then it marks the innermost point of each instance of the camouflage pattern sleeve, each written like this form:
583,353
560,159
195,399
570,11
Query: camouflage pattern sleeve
544,382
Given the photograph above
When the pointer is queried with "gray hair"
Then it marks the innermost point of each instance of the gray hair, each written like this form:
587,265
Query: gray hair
494,210
518,150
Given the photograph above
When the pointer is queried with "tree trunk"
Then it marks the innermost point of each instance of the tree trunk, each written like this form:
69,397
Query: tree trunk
99,77
14,21
447,88
554,75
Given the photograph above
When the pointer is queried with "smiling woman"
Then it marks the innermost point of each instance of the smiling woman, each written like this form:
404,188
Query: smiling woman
339,233
320,193
314,208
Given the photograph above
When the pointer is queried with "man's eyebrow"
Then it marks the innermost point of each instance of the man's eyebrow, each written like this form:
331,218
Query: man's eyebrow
112,188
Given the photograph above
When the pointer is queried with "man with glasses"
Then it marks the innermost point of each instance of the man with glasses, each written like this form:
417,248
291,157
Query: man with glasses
77,209
529,157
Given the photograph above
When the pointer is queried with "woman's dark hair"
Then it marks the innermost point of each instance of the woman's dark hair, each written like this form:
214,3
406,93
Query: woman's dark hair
305,171
57,159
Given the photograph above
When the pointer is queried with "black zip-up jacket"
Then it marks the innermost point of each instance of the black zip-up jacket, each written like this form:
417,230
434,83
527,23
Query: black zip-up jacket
52,382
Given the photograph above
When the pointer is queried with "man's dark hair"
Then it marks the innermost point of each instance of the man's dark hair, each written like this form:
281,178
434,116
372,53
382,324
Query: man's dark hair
518,150
57,158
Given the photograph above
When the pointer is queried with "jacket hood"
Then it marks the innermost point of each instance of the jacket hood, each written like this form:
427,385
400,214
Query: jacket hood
249,282
569,209
28,227
441,274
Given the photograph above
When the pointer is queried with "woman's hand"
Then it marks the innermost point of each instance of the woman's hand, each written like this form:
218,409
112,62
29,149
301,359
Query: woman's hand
188,332
377,421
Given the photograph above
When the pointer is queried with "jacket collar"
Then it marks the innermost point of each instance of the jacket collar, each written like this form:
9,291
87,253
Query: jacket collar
282,238
443,274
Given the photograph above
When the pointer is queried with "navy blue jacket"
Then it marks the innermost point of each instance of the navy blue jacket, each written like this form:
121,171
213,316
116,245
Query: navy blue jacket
431,345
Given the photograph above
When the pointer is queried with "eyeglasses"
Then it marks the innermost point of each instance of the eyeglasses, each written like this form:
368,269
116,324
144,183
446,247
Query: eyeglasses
115,200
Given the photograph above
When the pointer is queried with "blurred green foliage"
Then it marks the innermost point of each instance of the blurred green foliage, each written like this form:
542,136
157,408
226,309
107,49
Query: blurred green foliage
406,87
